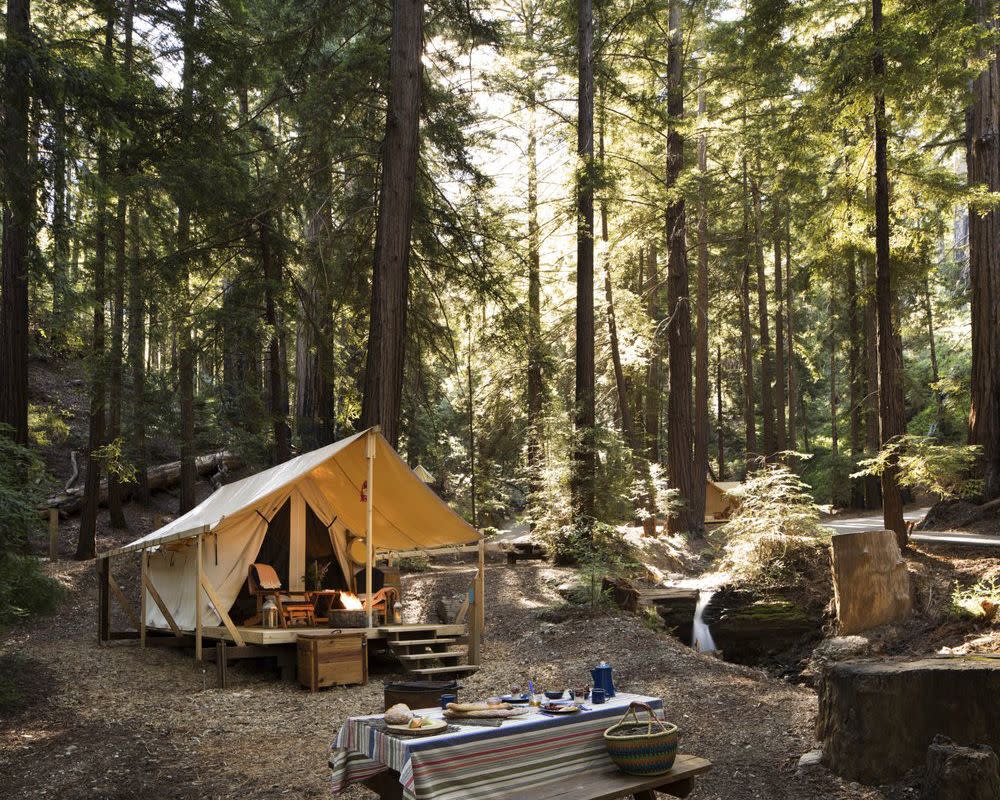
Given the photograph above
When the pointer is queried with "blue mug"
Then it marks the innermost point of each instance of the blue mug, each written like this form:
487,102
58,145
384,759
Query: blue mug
448,698
597,696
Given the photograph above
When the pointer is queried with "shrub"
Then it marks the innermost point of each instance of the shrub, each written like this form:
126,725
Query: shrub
25,589
928,465
774,537
979,601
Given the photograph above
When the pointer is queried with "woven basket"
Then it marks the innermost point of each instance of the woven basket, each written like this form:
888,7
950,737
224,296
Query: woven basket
639,749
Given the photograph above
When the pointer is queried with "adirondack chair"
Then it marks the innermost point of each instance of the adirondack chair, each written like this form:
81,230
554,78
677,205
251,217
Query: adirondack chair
294,608
384,596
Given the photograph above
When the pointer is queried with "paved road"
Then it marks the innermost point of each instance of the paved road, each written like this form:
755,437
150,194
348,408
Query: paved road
871,521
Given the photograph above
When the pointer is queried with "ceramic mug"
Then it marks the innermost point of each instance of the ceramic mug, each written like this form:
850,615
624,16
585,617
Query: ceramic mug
448,698
597,696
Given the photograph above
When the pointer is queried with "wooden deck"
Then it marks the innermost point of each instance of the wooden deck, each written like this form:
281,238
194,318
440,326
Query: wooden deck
279,636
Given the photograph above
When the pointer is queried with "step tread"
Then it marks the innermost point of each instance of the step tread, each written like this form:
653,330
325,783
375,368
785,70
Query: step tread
445,628
440,670
428,656
420,642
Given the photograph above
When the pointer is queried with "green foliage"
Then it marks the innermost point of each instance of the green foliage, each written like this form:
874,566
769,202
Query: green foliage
21,475
112,458
603,552
926,464
25,589
979,601
47,426
774,537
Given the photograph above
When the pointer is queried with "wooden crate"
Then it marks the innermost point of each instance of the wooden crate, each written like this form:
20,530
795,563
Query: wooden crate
332,659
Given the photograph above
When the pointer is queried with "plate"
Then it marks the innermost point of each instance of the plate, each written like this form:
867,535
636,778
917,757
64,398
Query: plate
515,701
560,709
437,726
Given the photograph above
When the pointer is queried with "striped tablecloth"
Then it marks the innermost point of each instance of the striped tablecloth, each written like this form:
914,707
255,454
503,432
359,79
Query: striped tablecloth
479,763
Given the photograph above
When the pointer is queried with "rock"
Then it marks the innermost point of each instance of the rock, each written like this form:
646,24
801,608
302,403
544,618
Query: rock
876,719
841,648
961,773
446,608
871,586
811,760
677,612
747,627
624,594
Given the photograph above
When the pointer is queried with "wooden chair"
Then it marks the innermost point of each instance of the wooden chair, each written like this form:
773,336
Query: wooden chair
294,608
384,596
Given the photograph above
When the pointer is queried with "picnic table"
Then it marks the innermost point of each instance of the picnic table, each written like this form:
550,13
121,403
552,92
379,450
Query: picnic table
538,757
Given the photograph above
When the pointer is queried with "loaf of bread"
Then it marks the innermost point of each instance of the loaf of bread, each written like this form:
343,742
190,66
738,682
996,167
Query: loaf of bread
466,708
398,714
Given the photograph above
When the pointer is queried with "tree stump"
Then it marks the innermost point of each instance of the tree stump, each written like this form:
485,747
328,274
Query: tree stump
877,718
870,583
961,773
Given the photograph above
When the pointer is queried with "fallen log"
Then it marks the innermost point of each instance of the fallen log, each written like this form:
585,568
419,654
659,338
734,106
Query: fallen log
161,476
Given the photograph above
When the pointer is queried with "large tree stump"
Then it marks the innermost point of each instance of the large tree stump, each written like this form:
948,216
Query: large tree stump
870,583
877,719
961,773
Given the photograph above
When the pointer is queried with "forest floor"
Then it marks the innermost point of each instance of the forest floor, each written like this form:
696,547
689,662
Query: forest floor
120,722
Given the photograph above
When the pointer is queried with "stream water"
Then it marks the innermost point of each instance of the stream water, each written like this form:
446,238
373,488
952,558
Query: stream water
701,636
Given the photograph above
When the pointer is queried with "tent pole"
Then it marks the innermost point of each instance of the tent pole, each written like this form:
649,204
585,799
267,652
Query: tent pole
369,544
481,588
197,606
142,597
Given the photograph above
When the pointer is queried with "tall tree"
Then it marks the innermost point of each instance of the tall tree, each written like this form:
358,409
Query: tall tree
651,402
769,443
889,357
746,337
780,398
86,546
585,458
383,384
983,162
535,388
790,363
116,366
18,212
701,421
186,350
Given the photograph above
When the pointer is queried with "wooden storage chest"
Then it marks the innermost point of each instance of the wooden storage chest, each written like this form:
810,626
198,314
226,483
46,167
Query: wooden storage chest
330,659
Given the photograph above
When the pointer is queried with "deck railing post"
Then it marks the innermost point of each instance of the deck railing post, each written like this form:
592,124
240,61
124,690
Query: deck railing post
369,543
142,598
197,606
481,588
103,599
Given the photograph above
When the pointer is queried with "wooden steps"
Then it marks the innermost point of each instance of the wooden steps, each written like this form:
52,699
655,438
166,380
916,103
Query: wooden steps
430,649
456,652
456,669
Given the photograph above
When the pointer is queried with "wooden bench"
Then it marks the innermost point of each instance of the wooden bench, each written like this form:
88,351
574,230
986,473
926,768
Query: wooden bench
592,784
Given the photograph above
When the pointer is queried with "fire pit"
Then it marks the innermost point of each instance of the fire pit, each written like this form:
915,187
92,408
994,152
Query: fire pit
347,618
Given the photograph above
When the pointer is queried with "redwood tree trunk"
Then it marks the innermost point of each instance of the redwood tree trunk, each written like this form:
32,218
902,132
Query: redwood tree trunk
86,546
780,433
383,386
585,458
889,358
277,395
766,397
983,161
746,339
701,421
18,208
873,487
854,377
790,365
185,360
536,389
651,402
137,364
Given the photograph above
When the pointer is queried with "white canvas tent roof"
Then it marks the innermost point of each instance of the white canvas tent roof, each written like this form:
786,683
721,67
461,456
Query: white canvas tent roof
407,513
214,543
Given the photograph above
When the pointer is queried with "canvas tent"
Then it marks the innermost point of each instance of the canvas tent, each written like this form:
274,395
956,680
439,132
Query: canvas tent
356,488
719,499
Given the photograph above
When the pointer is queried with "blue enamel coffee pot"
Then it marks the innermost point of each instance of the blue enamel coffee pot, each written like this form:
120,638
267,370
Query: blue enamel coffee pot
602,678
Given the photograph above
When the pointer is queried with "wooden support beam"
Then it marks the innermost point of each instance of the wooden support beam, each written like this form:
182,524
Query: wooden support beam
53,533
369,531
103,600
221,610
197,605
142,598
481,588
119,595
162,606
474,625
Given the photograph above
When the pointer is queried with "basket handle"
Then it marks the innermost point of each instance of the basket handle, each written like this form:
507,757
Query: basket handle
635,704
